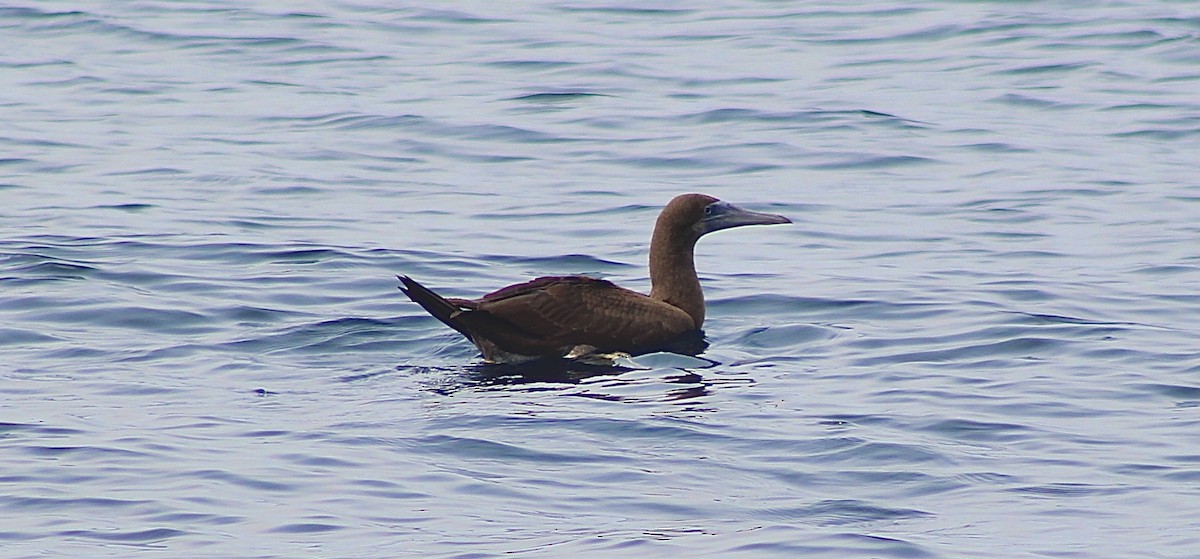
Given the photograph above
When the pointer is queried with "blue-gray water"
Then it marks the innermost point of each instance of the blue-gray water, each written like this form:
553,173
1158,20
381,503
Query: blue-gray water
980,339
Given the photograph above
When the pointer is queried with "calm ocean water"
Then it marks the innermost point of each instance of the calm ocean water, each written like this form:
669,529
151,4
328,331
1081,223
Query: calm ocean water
979,339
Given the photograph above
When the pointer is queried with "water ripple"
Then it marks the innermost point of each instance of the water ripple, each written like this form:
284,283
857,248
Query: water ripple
982,319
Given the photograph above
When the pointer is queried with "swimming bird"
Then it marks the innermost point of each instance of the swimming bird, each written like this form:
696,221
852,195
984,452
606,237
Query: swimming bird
577,316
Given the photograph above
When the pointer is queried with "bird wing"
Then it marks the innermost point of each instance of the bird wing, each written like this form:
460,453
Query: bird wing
577,310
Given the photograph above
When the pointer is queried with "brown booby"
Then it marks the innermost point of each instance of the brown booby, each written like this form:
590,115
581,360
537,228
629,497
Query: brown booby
574,316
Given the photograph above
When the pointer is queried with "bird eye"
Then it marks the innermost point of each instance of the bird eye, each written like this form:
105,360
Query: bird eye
707,210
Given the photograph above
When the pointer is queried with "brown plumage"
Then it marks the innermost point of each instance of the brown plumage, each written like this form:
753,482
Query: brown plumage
572,316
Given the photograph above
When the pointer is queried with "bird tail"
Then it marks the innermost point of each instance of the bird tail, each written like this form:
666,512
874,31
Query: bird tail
436,305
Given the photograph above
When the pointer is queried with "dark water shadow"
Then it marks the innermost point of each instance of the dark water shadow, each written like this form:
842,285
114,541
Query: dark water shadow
554,371
573,371
672,373
658,377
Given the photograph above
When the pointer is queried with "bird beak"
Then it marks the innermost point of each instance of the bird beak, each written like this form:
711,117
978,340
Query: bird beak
723,215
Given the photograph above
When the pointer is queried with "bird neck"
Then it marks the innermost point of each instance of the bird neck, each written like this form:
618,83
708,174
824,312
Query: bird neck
673,276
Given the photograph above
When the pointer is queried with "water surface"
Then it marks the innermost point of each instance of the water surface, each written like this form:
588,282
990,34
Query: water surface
978,340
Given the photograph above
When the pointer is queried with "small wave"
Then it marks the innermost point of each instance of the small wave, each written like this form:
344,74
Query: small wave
135,536
467,448
1033,102
1060,68
52,269
1022,347
131,207
786,336
874,162
306,528
1166,134
840,512
37,429
133,318
556,96
559,264
978,431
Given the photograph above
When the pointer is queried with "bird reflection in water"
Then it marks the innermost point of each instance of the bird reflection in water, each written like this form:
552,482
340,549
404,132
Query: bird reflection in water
662,377
615,382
